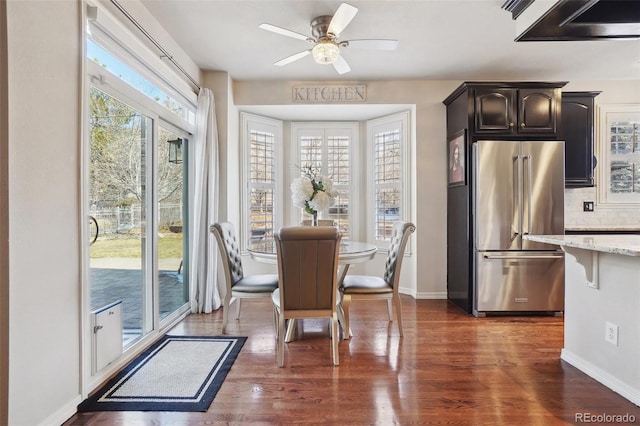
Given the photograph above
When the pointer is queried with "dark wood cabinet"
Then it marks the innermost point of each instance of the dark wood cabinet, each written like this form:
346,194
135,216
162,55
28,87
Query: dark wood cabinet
517,111
577,132
498,111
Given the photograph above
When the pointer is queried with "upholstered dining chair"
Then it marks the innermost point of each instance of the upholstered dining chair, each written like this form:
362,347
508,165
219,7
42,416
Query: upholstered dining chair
238,286
307,288
321,222
366,287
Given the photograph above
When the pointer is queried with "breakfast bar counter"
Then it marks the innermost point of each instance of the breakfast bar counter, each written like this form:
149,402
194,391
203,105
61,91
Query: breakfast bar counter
602,308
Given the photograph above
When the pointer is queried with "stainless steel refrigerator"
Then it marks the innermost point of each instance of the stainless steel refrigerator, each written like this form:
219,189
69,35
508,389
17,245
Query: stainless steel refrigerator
517,189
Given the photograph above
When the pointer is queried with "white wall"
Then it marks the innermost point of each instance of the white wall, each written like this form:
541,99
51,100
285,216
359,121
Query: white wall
603,217
617,300
44,51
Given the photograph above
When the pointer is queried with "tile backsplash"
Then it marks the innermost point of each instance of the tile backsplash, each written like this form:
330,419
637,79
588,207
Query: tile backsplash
602,218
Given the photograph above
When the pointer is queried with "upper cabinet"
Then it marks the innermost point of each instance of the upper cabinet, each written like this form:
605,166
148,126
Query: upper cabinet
516,111
511,110
576,130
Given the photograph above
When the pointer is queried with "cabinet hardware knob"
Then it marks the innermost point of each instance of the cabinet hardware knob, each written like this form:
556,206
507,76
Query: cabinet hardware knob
522,125
510,124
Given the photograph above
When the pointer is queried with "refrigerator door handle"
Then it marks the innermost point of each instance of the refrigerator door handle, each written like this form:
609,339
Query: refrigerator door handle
516,201
529,177
522,257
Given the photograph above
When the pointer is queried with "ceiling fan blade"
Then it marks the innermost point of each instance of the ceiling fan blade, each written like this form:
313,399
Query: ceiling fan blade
371,44
293,58
341,18
285,32
341,66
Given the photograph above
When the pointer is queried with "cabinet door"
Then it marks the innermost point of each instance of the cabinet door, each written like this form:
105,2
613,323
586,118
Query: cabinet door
577,132
537,111
495,111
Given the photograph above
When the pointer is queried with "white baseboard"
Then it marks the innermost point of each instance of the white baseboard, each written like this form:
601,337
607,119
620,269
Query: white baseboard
423,295
63,414
596,373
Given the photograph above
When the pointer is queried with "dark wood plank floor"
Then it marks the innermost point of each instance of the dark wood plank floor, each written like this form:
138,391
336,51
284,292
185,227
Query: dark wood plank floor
449,368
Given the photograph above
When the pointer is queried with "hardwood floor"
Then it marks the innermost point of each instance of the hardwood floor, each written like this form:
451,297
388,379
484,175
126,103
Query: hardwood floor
449,368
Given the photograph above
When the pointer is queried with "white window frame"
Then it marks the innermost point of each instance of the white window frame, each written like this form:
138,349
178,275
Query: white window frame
606,198
248,123
388,123
324,130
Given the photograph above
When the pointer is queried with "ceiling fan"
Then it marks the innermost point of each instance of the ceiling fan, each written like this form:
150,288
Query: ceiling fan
325,32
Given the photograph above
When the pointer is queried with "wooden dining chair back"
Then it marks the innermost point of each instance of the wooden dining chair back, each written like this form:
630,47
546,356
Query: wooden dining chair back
386,287
237,285
307,288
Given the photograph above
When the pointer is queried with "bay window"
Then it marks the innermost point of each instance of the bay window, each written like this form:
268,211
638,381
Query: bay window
367,203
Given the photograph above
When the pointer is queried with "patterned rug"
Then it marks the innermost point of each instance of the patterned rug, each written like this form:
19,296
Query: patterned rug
178,373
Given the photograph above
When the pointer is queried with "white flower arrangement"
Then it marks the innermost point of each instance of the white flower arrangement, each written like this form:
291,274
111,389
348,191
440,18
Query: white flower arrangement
312,192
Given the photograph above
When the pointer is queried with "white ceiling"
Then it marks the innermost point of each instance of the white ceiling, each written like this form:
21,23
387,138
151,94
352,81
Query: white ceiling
438,40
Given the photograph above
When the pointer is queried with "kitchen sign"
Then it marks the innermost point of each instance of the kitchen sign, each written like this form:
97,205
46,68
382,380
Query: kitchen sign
328,94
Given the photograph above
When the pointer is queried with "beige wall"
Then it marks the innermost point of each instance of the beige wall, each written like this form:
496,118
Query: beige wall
4,221
44,52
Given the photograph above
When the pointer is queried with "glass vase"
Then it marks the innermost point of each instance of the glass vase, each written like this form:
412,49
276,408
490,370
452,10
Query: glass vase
314,219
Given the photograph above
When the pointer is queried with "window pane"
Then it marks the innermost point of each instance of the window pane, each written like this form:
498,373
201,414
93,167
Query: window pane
134,79
625,154
328,150
388,211
387,179
261,184
338,166
173,288
311,152
338,161
119,137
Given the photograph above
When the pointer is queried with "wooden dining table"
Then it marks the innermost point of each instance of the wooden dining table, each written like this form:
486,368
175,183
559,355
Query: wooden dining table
264,250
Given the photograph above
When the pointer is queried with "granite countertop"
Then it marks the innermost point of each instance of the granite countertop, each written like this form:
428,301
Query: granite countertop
612,229
628,245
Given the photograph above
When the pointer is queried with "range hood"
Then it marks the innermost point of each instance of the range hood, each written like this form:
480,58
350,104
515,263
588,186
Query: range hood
567,20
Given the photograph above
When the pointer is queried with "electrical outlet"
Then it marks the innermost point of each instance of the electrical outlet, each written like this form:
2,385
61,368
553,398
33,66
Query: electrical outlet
587,206
611,333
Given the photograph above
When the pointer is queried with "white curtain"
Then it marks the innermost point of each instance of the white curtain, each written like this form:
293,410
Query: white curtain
203,263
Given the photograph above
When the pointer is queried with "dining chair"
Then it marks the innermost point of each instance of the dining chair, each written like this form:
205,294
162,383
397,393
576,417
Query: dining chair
321,222
308,270
367,287
238,286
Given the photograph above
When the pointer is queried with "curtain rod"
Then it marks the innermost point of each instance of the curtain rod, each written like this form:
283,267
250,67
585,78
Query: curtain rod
155,42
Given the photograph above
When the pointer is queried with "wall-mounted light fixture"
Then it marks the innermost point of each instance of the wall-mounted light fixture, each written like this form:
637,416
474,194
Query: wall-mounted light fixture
175,151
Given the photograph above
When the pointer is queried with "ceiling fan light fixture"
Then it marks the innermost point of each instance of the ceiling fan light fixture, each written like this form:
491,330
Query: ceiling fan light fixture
325,52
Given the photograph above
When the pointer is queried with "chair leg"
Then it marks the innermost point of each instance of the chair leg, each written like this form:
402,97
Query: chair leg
225,312
398,304
238,308
291,330
280,348
346,303
334,339
389,310
275,321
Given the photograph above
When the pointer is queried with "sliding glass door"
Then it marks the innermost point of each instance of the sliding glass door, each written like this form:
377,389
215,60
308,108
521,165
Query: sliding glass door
119,203
137,200
172,221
